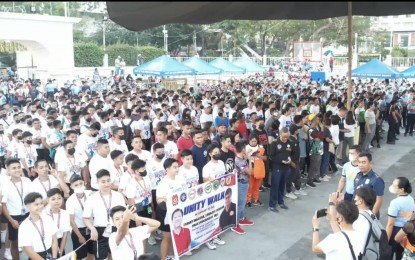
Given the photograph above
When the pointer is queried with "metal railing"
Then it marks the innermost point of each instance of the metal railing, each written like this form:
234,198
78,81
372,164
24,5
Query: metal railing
405,62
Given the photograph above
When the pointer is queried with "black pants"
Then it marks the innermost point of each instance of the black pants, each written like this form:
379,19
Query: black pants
391,130
294,177
377,135
397,249
332,163
362,132
266,180
410,124
404,116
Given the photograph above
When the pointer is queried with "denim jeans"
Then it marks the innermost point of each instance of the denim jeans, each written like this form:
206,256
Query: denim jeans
325,161
242,191
278,178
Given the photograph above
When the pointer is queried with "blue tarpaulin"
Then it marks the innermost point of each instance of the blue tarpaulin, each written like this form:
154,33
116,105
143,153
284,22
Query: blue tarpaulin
376,69
249,65
226,66
409,73
202,67
163,66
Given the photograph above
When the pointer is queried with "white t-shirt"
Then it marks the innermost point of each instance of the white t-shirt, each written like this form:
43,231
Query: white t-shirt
334,130
144,126
29,235
116,174
13,148
71,166
191,175
362,226
170,149
213,170
144,155
95,207
155,172
351,128
206,118
61,220
11,195
124,180
168,185
285,121
73,207
97,163
87,144
4,142
38,134
139,191
27,153
114,146
335,245
43,187
123,250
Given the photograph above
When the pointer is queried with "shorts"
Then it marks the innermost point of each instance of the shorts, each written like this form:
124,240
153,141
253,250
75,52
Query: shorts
160,215
154,199
3,219
101,247
88,248
14,233
44,253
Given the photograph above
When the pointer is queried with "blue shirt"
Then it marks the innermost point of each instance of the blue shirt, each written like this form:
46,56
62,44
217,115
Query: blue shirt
371,180
199,159
401,209
349,172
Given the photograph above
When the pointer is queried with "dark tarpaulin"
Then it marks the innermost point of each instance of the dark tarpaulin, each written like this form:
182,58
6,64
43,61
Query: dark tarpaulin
138,16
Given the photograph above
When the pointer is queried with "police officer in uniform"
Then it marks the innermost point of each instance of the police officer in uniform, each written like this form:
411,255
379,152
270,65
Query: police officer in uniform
366,177
280,155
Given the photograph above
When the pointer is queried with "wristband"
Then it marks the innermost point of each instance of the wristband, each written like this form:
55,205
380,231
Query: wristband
332,204
315,229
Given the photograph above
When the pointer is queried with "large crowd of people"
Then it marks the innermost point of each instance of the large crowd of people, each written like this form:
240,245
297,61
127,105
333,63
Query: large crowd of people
96,167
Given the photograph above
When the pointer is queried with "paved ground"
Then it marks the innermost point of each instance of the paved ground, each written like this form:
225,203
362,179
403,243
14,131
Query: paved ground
287,235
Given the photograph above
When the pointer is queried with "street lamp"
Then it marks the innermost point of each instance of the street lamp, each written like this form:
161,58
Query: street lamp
104,20
165,38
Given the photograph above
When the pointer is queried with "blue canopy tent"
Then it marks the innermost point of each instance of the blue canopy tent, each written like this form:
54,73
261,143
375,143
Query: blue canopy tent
163,66
201,67
409,72
249,65
376,69
226,66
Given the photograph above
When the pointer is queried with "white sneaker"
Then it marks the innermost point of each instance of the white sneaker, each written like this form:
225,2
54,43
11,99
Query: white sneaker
290,195
188,253
326,178
301,192
8,254
152,241
210,245
218,241
370,146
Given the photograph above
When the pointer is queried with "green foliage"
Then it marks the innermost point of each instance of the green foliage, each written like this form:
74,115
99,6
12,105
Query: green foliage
149,52
127,52
399,52
384,53
212,53
88,55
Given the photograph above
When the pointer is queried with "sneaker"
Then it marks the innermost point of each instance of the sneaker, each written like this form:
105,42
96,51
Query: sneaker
238,230
258,203
218,241
291,196
275,210
170,257
249,205
300,192
210,245
326,178
370,146
283,206
316,181
267,186
152,241
8,254
262,188
189,253
311,184
246,222
158,236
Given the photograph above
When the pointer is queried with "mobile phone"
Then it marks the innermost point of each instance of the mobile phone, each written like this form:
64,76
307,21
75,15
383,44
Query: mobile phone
321,213
139,207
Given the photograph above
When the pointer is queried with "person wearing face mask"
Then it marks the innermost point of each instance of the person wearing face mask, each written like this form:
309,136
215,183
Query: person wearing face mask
75,207
117,170
349,172
400,211
71,163
87,142
144,129
411,118
117,141
28,155
85,121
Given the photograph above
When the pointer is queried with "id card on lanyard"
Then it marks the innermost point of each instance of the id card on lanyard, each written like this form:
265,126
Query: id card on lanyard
108,208
131,245
41,232
21,196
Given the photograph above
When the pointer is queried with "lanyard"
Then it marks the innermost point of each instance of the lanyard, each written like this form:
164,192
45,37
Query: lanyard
106,207
80,202
119,172
59,217
46,190
41,231
131,245
18,191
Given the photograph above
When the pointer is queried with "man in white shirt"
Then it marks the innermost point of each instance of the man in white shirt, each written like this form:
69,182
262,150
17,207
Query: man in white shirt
101,160
144,129
170,148
127,243
137,144
14,209
88,141
98,207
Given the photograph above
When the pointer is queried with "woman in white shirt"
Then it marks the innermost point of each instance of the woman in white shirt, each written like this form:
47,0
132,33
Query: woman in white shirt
172,182
349,124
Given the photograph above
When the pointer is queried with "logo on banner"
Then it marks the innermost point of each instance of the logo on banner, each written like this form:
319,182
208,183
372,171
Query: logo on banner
215,185
208,188
183,197
222,182
200,191
175,200
192,194
228,180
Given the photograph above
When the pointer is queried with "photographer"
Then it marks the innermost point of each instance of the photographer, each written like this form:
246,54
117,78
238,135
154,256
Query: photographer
336,245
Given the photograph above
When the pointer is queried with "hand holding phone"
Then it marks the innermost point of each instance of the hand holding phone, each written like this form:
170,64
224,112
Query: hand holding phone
321,213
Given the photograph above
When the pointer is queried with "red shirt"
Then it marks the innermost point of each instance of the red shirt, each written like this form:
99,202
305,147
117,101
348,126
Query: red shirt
242,129
182,240
183,144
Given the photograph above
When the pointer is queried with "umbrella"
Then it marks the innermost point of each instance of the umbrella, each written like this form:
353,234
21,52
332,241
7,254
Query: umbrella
328,52
138,16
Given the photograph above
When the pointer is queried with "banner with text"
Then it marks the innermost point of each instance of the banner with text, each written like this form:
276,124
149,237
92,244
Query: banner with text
198,214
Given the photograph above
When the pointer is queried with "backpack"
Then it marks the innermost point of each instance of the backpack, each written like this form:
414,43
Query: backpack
377,245
128,133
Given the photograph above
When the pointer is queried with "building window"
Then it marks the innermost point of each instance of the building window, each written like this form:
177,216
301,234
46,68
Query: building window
404,40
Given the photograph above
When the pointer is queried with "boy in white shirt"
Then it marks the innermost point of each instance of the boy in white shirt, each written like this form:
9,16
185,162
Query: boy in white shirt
187,170
127,243
127,175
28,155
59,216
36,237
13,194
98,206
